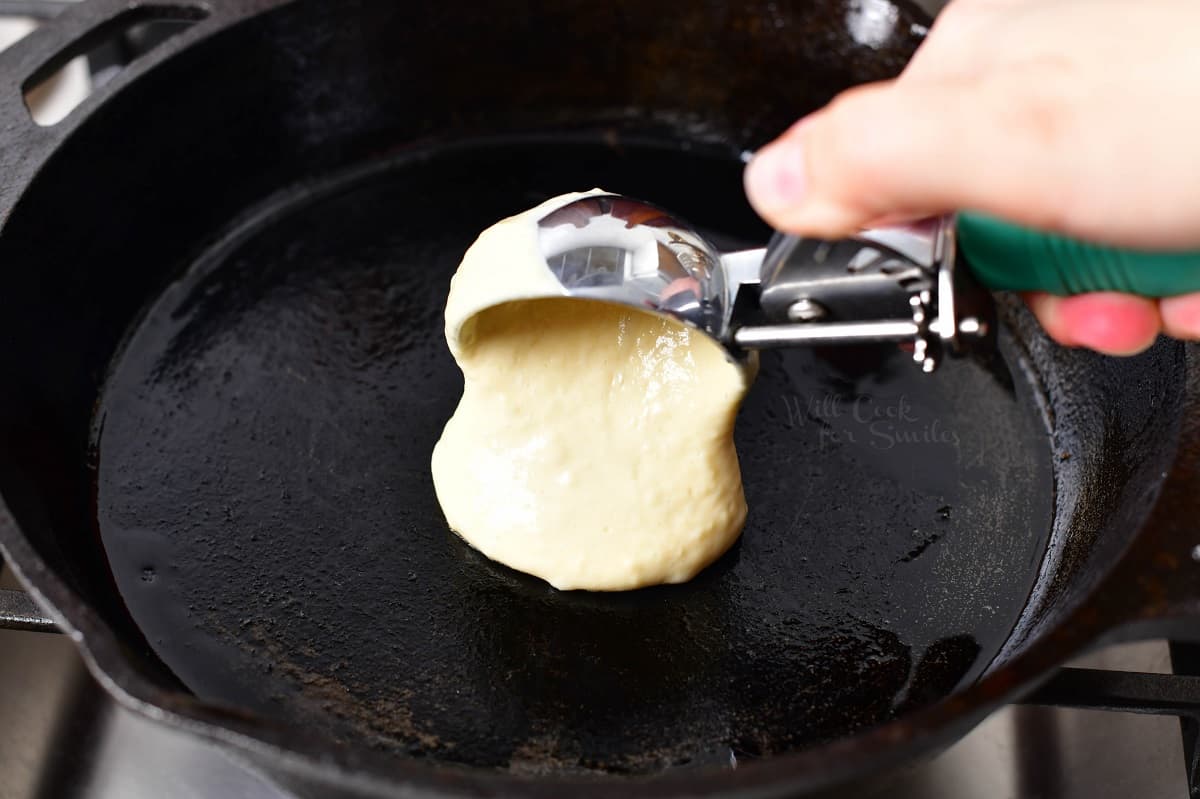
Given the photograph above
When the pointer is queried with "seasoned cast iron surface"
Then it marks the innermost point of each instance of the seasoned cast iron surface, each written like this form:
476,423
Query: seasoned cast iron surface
264,498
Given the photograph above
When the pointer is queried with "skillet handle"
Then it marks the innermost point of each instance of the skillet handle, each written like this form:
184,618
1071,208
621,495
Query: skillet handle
18,611
26,145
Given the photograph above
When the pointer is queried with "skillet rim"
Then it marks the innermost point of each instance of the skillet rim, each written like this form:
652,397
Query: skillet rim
268,744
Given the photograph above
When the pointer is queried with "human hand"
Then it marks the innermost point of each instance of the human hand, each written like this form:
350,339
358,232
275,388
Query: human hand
1075,116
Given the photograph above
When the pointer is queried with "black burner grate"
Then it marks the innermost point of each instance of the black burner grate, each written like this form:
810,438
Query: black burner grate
1176,694
1185,659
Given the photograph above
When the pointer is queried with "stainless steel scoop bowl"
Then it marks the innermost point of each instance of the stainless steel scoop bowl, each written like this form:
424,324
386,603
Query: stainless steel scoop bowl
613,248
883,285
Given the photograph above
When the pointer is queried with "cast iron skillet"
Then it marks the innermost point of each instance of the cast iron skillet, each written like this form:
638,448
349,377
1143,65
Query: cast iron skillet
224,372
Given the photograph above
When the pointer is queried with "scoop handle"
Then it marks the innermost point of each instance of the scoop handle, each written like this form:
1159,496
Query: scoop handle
1009,257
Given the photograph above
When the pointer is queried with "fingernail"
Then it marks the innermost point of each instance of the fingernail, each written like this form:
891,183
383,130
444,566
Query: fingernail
1115,324
775,178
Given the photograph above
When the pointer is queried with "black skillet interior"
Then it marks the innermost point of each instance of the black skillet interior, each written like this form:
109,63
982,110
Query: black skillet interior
257,473
265,502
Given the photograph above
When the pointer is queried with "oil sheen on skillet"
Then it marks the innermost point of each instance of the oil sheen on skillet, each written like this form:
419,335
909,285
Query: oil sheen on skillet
265,502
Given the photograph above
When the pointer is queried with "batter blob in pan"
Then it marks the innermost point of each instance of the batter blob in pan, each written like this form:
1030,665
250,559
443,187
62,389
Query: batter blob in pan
593,444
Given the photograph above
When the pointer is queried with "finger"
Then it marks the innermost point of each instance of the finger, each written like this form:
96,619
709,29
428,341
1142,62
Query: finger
1046,308
957,44
913,149
874,153
1181,316
986,4
896,220
1115,324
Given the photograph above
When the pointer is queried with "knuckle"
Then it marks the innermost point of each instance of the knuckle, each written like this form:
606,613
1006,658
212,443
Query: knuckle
1037,108
849,154
955,13
963,16
1038,102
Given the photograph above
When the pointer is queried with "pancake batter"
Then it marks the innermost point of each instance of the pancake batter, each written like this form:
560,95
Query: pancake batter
593,444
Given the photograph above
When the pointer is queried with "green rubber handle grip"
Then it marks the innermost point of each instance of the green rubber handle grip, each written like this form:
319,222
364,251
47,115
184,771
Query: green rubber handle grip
1008,257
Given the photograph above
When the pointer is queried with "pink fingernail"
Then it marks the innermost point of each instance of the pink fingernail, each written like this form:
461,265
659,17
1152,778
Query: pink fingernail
1112,323
775,178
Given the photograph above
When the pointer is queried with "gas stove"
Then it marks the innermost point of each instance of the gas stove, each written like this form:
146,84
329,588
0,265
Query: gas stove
1121,722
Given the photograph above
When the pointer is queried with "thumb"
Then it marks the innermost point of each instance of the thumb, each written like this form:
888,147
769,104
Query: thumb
907,149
